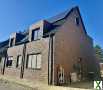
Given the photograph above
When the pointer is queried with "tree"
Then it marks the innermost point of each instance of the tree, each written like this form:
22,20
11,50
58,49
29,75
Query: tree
99,52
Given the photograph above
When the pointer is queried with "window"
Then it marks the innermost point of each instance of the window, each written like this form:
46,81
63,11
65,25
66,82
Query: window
38,61
9,61
34,61
36,34
0,59
19,61
77,21
11,42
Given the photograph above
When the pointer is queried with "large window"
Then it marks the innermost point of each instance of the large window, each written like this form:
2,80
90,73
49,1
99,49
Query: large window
19,61
34,61
9,61
36,34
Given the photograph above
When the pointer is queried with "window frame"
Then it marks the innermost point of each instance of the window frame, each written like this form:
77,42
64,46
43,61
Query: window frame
17,62
36,68
77,21
11,42
36,34
7,62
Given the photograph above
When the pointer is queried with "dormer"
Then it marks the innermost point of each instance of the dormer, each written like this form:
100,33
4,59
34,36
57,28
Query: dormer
15,38
37,30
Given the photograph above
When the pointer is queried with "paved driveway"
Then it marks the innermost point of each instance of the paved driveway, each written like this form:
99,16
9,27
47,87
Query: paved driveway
5,85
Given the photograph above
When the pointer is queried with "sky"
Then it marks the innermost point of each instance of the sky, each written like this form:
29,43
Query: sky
18,15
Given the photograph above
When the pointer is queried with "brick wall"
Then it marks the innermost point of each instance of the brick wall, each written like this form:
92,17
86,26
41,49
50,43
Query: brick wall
72,43
14,51
39,46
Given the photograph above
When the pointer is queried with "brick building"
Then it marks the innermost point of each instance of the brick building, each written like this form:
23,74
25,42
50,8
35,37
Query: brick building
50,50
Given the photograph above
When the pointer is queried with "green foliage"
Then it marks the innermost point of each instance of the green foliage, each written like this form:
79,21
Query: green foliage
99,52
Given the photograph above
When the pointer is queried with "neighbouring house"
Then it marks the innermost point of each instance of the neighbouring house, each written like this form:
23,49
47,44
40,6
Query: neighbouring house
50,50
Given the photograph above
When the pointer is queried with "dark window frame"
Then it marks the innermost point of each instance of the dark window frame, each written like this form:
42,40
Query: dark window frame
11,42
77,21
37,37
17,63
9,63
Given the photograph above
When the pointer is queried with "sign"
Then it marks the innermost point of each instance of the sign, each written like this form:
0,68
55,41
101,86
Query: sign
98,85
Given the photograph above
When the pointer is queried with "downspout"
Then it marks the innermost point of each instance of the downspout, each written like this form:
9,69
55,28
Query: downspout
23,61
4,64
49,60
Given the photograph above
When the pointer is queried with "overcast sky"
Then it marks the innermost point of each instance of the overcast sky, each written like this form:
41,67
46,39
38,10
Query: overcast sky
17,15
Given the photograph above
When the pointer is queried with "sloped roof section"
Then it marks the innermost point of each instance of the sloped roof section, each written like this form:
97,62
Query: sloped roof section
24,40
3,47
58,17
61,15
4,43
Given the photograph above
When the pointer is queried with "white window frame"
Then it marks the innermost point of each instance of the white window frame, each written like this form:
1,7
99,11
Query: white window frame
37,61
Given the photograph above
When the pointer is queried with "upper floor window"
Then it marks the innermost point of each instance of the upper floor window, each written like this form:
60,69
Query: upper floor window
77,21
36,34
34,61
19,61
11,42
9,61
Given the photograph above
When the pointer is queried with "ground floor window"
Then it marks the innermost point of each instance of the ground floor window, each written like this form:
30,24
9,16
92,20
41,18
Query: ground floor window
9,61
34,61
19,61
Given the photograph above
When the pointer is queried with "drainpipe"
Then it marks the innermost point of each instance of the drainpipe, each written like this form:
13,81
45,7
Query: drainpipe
23,62
50,60
4,63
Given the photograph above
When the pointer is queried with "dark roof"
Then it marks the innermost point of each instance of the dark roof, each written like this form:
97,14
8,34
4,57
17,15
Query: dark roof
3,46
56,22
4,43
24,40
58,17
61,15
